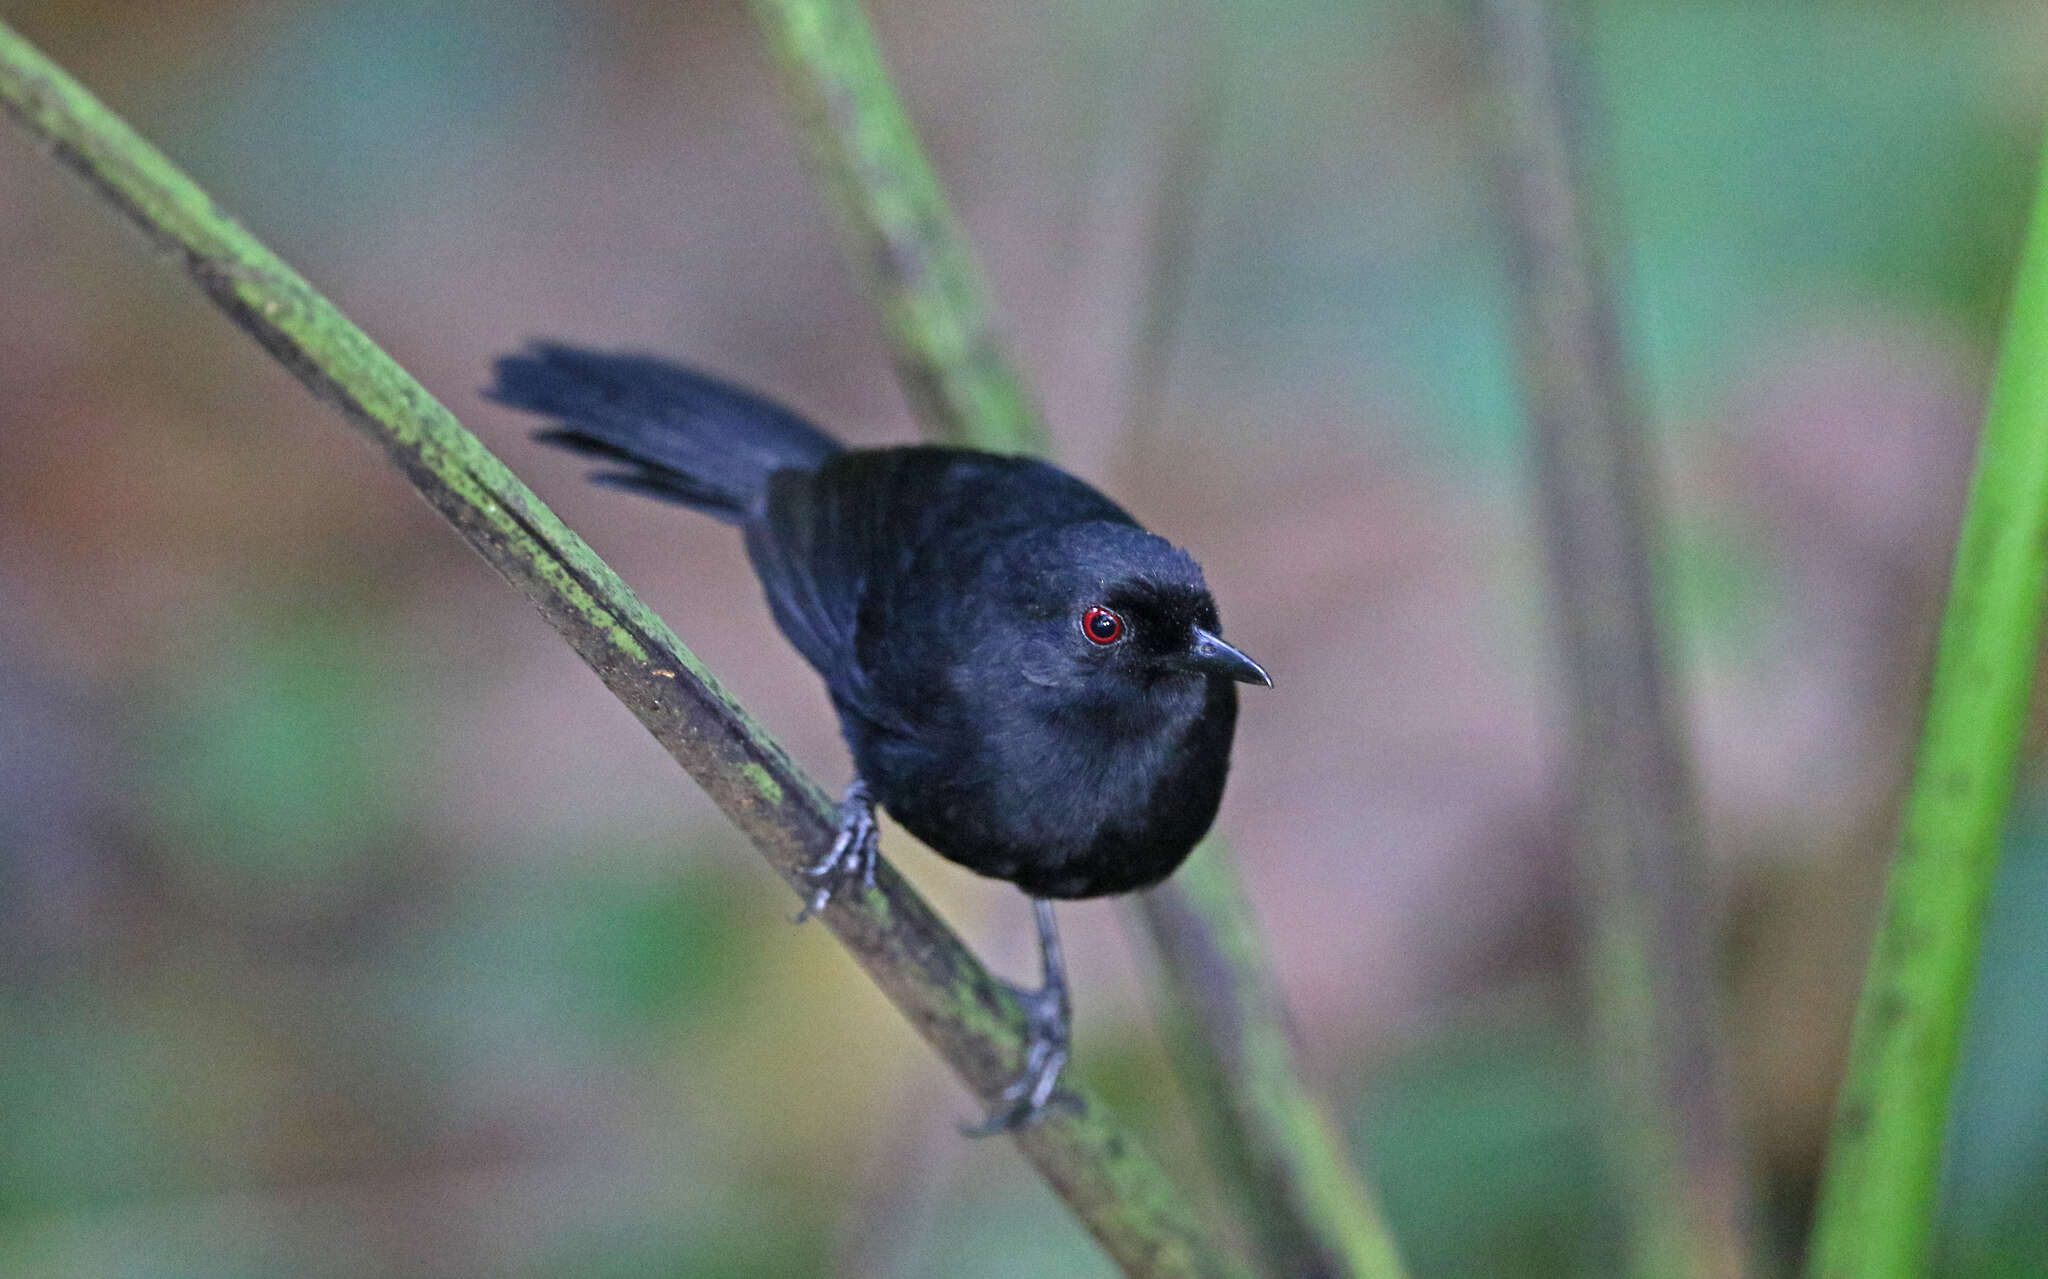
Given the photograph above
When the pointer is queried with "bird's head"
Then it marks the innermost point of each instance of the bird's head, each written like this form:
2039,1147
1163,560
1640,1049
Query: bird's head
1112,606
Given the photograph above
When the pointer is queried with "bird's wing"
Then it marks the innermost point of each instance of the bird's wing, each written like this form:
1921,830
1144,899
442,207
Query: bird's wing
825,536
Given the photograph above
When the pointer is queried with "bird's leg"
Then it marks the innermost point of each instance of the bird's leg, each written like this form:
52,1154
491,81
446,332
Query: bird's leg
851,859
1048,1026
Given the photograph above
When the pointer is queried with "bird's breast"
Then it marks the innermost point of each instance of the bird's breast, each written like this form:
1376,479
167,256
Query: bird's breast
1064,804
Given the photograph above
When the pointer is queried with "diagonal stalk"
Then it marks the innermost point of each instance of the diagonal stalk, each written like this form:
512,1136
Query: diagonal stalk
1112,1185
1881,1187
1312,1212
905,246
1307,1202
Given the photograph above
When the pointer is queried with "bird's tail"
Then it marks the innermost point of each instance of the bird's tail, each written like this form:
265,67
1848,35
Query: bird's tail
676,434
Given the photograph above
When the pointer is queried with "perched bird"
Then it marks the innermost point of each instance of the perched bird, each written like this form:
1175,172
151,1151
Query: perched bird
1029,682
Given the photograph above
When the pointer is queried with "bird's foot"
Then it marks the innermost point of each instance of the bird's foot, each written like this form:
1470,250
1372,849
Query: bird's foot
1028,1098
851,859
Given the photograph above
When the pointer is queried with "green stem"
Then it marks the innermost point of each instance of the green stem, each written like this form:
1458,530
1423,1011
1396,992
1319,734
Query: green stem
1313,1214
1650,965
1879,1194
1116,1189
905,245
1308,1204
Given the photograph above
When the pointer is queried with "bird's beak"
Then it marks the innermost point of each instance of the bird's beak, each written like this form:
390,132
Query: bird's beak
1210,655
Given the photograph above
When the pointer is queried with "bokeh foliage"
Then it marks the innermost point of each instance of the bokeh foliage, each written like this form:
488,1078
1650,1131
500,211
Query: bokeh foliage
297,981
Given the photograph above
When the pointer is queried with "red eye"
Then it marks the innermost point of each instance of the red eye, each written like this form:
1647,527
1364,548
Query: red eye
1101,626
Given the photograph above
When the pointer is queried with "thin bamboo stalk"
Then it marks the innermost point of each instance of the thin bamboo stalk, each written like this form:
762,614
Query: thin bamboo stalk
1880,1190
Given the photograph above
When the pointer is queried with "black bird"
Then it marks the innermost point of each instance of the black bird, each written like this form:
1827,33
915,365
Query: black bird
1029,682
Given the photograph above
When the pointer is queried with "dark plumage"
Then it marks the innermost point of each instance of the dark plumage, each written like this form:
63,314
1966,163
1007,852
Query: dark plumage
1029,682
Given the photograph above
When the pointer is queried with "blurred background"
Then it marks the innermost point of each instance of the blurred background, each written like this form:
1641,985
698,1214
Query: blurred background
348,926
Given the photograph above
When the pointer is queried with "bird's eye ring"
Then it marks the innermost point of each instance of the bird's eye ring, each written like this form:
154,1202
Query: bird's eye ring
1102,626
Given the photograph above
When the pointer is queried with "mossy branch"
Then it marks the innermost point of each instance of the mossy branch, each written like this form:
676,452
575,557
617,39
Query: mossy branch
1117,1190
1881,1188
1651,961
1308,1205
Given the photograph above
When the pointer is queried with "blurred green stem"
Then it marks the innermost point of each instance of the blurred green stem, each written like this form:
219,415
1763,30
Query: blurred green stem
1880,1190
1312,1210
1117,1190
904,243
1651,956
1308,1204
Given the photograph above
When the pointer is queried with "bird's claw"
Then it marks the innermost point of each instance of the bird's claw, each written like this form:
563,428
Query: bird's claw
1032,1094
851,859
